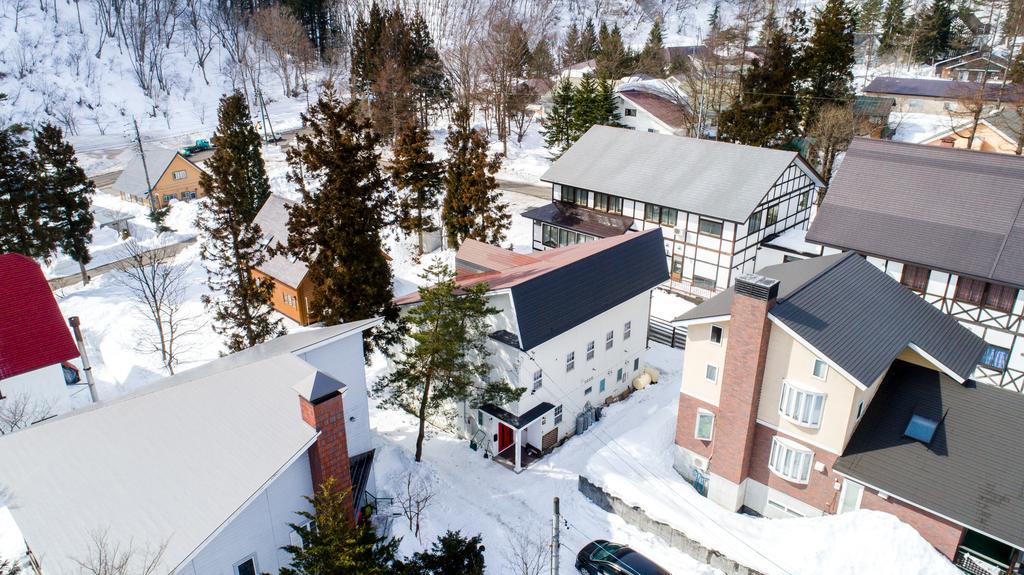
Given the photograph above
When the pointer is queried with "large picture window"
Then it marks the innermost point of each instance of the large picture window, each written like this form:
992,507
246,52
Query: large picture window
790,461
710,228
801,406
575,195
607,203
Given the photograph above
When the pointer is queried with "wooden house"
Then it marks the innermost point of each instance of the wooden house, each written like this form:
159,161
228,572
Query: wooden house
972,67
172,176
292,287
1002,132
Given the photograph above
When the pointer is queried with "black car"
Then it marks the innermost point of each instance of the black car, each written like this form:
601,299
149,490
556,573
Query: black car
605,558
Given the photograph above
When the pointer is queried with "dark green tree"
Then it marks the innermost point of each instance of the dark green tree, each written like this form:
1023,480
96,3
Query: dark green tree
332,543
67,195
607,107
445,357
418,178
892,24
715,19
1016,72
588,42
346,203
558,127
934,36
541,64
869,18
430,85
586,108
766,110
472,207
569,53
25,226
452,553
236,186
652,59
614,60
829,58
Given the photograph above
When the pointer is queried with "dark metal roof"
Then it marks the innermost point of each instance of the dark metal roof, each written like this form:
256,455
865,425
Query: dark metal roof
569,216
862,319
972,471
506,337
517,421
360,467
931,88
565,297
953,210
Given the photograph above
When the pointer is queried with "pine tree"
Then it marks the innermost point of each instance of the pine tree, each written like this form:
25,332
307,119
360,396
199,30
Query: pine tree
451,553
332,544
934,31
472,204
236,186
588,42
652,58
67,194
445,357
336,229
542,63
24,220
558,123
430,85
870,16
607,106
569,53
614,59
1016,72
418,177
585,107
828,60
892,25
765,111
714,20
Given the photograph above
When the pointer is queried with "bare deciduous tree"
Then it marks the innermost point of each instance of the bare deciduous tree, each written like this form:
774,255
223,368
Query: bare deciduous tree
200,32
832,131
286,44
20,411
527,553
414,500
107,557
158,287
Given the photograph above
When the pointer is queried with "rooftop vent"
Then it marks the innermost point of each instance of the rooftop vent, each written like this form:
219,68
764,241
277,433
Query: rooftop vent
757,287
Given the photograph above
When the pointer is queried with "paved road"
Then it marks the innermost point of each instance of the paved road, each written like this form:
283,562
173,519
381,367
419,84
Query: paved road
543,192
168,251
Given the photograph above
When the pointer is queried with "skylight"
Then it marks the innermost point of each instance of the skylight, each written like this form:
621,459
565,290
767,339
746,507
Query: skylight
921,428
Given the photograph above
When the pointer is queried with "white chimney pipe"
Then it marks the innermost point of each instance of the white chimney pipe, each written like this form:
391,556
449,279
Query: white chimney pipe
75,322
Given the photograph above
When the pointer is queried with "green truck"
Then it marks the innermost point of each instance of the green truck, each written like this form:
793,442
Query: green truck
199,146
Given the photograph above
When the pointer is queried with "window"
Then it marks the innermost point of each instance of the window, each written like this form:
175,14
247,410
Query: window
669,217
711,373
860,410
849,500
636,363
705,427
179,175
600,385
652,130
247,566
789,511
790,461
169,197
558,415
618,375
607,203
677,266
575,195
820,369
626,329
658,214
630,112
538,379
995,357
703,283
921,428
570,361
590,350
754,223
479,417
914,277
716,334
609,340
290,300
999,297
549,235
188,195
805,197
773,215
588,390
652,212
711,228
970,290
71,376
801,406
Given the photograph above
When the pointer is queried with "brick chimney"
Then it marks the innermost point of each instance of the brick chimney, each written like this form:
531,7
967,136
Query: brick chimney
749,334
329,455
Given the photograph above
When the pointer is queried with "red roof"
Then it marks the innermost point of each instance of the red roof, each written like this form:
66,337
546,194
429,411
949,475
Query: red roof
669,112
33,333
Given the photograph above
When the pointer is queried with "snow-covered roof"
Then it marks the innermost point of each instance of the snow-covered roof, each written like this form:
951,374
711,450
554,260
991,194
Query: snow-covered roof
717,179
133,179
273,221
168,464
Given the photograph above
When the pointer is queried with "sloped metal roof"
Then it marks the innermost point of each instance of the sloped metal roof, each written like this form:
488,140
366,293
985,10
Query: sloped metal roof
273,222
934,88
948,209
717,179
133,179
570,216
972,471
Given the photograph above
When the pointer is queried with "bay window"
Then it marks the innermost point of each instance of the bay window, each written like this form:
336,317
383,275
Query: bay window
801,406
790,460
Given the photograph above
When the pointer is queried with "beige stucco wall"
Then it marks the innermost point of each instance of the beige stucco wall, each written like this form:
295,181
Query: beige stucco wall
700,351
167,185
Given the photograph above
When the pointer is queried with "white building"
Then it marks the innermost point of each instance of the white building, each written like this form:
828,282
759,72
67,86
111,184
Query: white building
212,464
571,331
715,202
37,378
648,111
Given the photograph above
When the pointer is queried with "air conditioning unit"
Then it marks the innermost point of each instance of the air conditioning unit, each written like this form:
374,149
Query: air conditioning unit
700,463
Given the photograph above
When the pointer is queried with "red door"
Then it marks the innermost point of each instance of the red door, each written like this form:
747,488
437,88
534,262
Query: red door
504,437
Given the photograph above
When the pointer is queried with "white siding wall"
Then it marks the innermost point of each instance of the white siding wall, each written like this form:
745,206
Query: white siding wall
643,121
44,387
343,360
261,528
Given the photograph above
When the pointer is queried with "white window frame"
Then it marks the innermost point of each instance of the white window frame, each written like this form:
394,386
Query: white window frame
797,404
843,493
721,334
538,379
787,460
626,330
609,340
710,379
590,350
696,426
814,368
175,175
255,564
558,415
784,508
570,361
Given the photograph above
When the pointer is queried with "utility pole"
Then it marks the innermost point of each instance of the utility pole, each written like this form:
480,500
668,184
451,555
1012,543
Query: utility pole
265,117
145,170
86,366
555,544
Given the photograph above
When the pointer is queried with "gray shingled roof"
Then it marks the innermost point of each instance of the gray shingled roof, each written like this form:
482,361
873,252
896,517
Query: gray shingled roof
933,88
973,470
273,221
1009,122
858,317
133,179
716,179
168,463
948,209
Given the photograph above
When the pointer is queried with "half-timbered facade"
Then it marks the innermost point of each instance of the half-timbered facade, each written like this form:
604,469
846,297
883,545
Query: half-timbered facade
946,223
714,201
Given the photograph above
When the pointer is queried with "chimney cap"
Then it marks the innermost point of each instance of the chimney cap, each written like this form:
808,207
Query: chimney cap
757,286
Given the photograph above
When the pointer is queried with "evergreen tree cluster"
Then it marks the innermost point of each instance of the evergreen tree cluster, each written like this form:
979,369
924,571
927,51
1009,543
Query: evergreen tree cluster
472,204
45,196
396,70
577,108
613,59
